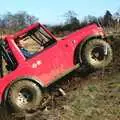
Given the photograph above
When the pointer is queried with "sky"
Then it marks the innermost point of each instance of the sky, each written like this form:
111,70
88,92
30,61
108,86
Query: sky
52,11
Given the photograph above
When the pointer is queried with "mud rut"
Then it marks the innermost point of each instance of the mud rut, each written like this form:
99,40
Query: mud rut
55,100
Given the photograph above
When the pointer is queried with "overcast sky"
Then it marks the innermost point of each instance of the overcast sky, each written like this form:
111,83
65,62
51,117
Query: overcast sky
52,11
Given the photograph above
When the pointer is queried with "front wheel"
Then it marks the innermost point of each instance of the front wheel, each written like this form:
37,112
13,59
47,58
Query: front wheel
24,95
97,53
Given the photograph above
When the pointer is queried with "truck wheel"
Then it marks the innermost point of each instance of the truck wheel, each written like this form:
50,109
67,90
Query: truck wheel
97,53
24,95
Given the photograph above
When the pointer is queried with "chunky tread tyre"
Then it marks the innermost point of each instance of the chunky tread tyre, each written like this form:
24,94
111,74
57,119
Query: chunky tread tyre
97,53
24,95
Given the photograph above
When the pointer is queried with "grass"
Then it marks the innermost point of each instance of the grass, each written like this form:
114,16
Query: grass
95,101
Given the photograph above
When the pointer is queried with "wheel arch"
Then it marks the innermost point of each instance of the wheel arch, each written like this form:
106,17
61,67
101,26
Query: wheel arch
33,79
80,47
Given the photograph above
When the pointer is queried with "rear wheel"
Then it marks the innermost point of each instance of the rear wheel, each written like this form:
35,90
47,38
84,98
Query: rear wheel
24,95
97,53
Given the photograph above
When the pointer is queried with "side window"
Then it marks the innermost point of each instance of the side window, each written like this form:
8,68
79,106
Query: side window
34,41
7,60
4,67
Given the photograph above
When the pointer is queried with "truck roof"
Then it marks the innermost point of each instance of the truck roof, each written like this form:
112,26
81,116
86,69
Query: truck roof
26,30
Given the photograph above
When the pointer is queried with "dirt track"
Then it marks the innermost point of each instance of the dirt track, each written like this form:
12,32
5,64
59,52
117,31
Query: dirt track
87,98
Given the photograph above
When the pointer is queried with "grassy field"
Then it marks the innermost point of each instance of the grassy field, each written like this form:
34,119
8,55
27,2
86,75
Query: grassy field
96,99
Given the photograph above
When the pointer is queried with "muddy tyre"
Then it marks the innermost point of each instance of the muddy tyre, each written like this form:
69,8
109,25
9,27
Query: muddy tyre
24,95
97,53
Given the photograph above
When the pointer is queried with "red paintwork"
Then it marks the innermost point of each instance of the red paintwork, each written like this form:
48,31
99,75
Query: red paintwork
52,62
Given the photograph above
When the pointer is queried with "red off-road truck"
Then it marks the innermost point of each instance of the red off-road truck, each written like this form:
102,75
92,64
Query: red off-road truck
23,79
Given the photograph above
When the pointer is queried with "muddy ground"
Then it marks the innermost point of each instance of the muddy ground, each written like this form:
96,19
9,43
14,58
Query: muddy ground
92,97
